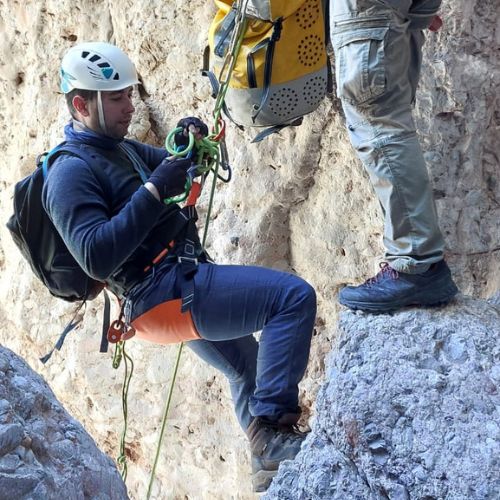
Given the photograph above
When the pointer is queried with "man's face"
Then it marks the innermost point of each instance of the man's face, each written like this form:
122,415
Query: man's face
118,111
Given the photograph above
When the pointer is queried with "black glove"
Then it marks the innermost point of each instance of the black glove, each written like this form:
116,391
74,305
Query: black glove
190,124
170,176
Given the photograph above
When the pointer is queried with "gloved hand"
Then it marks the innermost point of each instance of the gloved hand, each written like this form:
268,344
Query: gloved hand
170,176
193,125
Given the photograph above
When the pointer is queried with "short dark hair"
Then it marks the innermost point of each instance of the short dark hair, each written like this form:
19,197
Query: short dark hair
88,95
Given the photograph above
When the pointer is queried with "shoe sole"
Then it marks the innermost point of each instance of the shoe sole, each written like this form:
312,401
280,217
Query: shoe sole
392,307
262,480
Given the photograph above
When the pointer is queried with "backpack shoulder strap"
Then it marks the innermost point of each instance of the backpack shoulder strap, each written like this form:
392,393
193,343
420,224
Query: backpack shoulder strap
138,163
76,150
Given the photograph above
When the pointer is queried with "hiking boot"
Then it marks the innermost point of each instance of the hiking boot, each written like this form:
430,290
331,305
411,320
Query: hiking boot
390,289
271,442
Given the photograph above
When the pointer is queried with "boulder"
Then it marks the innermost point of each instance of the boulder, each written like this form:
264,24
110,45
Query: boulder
44,452
408,410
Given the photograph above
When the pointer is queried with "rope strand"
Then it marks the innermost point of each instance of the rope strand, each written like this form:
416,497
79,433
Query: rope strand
120,354
210,152
164,421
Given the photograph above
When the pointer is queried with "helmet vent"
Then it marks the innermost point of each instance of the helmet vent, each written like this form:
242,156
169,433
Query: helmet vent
284,102
97,66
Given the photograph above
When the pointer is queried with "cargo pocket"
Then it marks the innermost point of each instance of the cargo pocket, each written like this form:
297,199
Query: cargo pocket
360,63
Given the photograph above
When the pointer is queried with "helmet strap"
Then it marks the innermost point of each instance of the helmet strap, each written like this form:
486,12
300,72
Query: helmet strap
100,113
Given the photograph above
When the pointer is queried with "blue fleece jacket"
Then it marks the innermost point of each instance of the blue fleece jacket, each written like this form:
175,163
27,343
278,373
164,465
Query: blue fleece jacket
112,230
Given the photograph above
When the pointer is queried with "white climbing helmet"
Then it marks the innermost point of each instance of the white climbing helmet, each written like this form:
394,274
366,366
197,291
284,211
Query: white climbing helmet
96,66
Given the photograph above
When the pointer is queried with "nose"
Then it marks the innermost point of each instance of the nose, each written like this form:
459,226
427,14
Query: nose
130,107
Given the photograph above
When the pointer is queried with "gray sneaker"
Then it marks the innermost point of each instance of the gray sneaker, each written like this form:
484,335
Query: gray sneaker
271,442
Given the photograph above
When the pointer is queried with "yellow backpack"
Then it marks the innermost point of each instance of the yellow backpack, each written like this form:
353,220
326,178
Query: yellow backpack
281,71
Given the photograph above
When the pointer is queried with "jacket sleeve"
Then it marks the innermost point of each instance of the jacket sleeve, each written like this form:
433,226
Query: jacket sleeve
76,203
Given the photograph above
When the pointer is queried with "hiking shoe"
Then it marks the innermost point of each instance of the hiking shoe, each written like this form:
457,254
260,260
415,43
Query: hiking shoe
390,289
271,442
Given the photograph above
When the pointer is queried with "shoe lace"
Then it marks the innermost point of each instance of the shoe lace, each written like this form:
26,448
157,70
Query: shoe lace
385,270
286,433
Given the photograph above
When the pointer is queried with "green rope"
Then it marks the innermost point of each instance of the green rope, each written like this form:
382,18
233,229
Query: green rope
164,421
208,154
208,160
117,358
207,147
214,167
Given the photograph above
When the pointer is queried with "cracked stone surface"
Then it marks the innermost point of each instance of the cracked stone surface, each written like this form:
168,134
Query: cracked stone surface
44,452
299,201
409,410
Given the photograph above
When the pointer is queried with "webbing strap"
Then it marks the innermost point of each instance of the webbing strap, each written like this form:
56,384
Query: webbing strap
268,68
222,37
74,322
275,129
251,74
188,260
137,162
106,318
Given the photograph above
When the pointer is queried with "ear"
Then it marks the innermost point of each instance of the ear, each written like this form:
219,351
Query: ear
80,104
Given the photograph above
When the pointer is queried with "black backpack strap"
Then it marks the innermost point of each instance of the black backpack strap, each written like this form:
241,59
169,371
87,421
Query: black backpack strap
74,322
137,162
75,150
106,319
275,129
270,44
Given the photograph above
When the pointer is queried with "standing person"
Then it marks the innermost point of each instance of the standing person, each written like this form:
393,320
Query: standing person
120,232
378,52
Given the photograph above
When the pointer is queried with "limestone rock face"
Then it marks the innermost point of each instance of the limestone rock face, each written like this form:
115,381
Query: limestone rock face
44,452
409,410
298,201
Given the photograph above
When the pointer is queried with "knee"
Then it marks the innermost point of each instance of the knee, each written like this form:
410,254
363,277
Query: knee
309,295
303,295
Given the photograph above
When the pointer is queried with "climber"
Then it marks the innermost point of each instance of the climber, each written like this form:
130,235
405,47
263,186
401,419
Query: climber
115,231
378,50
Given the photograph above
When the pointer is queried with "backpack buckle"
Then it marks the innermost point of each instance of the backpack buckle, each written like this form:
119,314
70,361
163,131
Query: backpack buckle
183,258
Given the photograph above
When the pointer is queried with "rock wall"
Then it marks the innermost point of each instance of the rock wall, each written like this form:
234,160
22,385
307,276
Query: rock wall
299,201
45,453
409,410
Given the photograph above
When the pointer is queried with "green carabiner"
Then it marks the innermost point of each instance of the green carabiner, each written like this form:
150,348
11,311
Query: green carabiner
171,146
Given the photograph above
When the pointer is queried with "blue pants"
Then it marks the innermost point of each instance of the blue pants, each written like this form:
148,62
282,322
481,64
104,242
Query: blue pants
230,304
233,302
378,51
